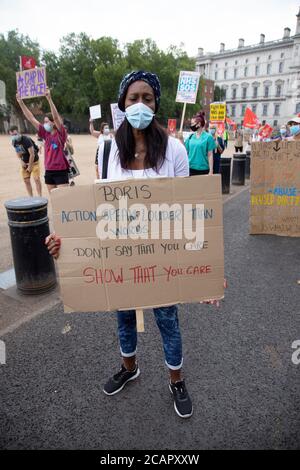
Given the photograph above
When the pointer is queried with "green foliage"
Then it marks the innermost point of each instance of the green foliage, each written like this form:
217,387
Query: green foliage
88,71
219,94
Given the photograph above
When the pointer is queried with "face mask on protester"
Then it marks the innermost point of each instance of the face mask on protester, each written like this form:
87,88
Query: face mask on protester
194,127
282,131
139,115
48,127
15,138
213,131
106,130
295,129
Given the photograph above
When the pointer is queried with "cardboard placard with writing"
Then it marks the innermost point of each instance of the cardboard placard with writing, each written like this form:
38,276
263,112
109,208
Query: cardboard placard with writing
156,267
275,188
217,112
31,83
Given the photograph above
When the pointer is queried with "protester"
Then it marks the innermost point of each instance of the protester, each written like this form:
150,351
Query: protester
28,153
239,137
225,138
69,152
102,135
200,146
283,132
294,129
142,149
54,135
219,149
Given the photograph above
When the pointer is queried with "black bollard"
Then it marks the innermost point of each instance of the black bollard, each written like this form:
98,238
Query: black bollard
225,168
28,223
248,162
238,168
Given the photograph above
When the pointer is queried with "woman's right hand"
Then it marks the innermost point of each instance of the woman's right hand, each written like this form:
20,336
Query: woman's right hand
53,243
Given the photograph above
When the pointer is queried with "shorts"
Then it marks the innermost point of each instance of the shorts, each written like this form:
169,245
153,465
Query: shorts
35,171
57,177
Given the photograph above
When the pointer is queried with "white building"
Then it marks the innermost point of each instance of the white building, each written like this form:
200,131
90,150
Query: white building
264,76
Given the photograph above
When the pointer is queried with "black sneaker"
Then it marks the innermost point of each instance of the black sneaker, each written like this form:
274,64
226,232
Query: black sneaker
182,402
116,383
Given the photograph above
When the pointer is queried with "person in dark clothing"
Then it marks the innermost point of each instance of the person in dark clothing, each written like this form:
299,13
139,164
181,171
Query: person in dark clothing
218,150
28,153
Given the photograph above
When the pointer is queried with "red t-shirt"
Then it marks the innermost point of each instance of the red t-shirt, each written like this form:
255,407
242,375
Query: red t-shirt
54,148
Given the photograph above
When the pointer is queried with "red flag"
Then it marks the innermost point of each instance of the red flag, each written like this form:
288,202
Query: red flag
172,126
250,119
265,131
28,62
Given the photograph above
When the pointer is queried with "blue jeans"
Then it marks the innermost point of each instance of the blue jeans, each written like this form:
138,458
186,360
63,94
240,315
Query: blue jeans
167,322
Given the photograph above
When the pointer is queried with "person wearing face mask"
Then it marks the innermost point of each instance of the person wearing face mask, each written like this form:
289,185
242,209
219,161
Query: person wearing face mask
294,128
200,146
220,147
54,135
28,153
103,135
142,149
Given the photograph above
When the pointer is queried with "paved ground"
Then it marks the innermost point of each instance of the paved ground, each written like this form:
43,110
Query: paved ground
238,366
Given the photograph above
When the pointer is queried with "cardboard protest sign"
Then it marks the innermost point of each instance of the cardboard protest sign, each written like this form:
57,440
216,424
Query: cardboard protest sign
187,87
217,112
162,261
31,83
95,111
275,188
117,115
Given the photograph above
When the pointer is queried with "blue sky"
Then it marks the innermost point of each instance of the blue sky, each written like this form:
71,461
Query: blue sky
194,23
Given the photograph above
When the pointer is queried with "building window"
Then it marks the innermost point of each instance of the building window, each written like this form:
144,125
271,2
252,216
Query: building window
236,62
204,101
278,91
224,93
255,90
205,89
235,73
297,108
244,93
216,65
269,67
243,109
233,111
216,75
226,63
256,70
246,61
276,109
275,123
257,59
234,93
282,55
270,57
245,71
225,74
254,107
281,67
267,90
265,110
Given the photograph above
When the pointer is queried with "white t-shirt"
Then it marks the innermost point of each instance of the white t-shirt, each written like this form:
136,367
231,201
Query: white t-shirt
176,163
103,137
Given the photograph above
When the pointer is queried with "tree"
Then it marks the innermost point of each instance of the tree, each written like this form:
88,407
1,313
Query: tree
12,47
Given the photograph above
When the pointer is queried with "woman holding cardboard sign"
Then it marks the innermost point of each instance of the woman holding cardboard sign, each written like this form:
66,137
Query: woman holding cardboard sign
142,148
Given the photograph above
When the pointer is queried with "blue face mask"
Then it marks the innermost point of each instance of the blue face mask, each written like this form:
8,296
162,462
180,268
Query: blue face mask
213,131
139,115
48,127
15,138
295,129
282,131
